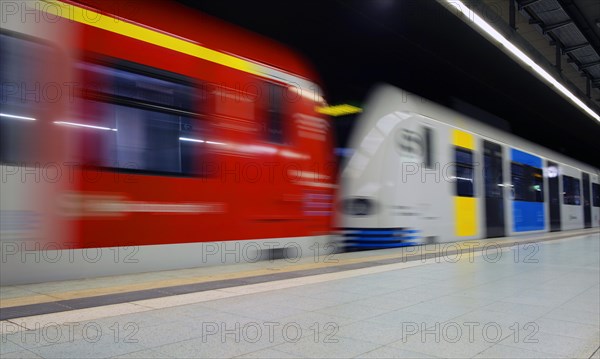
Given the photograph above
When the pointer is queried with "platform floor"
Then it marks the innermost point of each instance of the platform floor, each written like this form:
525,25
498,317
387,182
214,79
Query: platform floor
535,300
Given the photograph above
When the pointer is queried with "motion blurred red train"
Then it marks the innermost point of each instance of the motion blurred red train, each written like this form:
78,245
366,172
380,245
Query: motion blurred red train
141,135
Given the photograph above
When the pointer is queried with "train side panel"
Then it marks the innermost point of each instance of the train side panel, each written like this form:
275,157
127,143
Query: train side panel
572,203
172,153
36,90
488,184
528,192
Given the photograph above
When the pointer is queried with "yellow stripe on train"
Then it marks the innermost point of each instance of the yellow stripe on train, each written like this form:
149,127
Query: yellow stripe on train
138,32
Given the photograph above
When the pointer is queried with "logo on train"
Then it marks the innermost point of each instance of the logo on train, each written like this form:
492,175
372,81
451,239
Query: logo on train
409,144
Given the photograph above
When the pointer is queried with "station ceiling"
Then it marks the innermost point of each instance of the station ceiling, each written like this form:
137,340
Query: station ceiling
423,48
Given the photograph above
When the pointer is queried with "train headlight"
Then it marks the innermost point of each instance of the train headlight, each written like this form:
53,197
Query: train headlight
359,206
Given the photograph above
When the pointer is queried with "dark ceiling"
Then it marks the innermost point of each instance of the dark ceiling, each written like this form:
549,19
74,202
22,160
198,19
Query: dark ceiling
421,47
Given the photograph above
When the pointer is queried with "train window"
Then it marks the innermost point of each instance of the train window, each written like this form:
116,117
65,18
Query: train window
464,172
519,182
537,185
571,190
28,91
149,122
528,184
138,89
492,175
275,121
596,194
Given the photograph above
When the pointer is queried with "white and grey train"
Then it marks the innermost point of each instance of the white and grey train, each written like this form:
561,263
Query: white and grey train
421,173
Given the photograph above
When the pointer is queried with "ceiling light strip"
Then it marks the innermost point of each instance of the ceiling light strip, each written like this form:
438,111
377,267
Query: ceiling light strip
470,17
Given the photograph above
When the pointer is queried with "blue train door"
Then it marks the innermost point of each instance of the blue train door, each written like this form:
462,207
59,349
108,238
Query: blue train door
494,189
587,211
554,196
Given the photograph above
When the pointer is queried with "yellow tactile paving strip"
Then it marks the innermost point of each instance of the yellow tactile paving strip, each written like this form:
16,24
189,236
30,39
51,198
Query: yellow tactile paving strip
282,267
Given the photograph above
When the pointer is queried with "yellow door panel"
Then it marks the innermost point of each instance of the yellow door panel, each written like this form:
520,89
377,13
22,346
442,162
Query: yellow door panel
463,139
465,209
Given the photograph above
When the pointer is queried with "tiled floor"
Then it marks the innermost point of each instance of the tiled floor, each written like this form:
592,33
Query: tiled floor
536,302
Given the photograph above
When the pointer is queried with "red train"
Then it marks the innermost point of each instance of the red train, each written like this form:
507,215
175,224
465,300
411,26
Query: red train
140,135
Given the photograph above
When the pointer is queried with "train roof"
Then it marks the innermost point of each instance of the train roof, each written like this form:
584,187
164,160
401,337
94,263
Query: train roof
182,21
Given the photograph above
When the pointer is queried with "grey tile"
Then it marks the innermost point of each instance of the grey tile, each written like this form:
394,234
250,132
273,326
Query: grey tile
262,311
143,354
322,348
532,298
22,354
8,346
505,306
554,344
443,343
379,333
576,316
338,295
52,334
215,346
411,296
388,303
391,352
268,353
81,348
304,303
362,288
507,323
432,308
402,318
467,302
238,300
588,298
155,336
354,311
569,329
124,324
503,351
309,321
304,290
169,315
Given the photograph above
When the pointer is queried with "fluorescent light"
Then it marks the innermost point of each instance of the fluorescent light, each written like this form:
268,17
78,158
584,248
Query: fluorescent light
17,117
85,126
215,143
190,139
477,20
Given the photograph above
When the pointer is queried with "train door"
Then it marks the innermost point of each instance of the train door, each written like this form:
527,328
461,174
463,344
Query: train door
494,199
587,211
595,202
553,196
